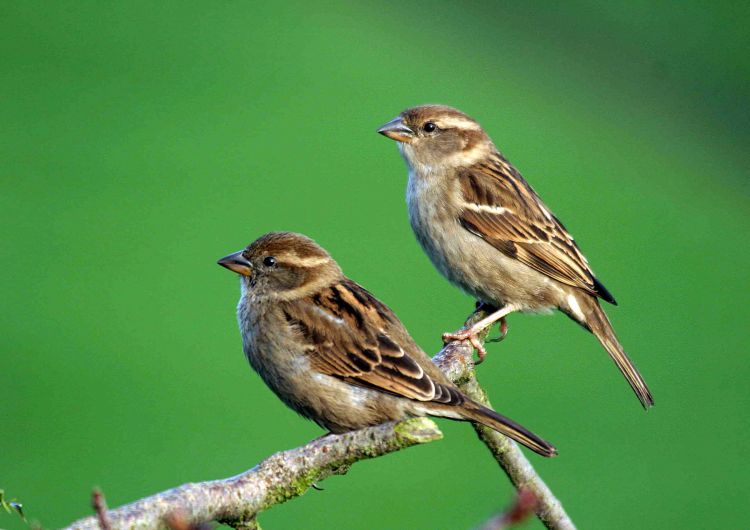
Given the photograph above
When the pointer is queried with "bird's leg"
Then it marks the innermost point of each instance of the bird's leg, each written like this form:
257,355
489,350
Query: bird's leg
471,333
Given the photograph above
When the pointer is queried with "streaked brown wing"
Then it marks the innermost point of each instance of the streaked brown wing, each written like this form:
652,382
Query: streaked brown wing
501,208
345,329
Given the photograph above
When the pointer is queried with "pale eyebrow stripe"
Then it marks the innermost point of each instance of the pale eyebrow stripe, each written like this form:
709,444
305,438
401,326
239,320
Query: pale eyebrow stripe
458,122
310,261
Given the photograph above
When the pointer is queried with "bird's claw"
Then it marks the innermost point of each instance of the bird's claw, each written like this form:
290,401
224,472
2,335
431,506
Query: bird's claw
503,332
468,335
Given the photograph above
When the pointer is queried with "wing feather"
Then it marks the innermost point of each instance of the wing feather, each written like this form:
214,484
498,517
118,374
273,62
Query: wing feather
501,208
346,332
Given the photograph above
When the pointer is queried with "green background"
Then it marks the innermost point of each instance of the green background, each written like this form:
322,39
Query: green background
141,142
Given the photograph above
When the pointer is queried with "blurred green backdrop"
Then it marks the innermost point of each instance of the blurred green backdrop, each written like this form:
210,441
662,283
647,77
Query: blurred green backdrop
140,142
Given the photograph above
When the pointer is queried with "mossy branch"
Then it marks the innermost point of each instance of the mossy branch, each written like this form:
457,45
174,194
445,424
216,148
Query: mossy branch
238,500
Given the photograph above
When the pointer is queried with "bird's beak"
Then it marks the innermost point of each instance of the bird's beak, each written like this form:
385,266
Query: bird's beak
236,263
397,130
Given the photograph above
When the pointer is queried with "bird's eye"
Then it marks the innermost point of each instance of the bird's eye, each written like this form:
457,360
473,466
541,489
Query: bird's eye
429,127
269,261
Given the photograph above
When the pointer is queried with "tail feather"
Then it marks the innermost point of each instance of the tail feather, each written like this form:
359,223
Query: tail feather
486,416
600,326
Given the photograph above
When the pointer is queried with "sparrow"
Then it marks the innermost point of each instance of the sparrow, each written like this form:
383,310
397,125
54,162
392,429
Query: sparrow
488,232
333,352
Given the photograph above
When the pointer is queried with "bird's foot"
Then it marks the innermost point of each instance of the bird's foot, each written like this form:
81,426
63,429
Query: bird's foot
471,335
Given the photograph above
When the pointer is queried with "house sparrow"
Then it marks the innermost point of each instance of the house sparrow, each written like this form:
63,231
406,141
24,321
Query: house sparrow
489,233
333,352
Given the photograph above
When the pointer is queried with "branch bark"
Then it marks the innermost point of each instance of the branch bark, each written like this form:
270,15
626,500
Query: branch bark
100,509
238,500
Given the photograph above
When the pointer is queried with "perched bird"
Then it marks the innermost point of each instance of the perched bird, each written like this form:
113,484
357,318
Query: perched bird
333,352
489,233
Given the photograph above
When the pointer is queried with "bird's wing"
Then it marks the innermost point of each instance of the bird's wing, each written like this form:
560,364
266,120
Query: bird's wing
351,335
500,207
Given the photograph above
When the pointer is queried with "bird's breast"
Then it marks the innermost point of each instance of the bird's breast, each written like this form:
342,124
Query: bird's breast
270,346
283,362
434,217
464,258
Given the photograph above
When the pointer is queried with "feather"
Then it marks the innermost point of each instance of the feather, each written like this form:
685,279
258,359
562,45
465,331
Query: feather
501,207
363,349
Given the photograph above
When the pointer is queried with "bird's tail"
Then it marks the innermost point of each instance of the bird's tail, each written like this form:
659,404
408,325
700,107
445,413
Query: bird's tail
479,413
600,326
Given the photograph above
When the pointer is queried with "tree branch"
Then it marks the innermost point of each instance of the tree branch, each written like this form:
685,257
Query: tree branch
100,509
456,360
237,501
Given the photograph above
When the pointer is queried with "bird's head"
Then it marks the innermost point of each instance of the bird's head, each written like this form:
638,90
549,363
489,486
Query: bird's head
282,265
435,137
